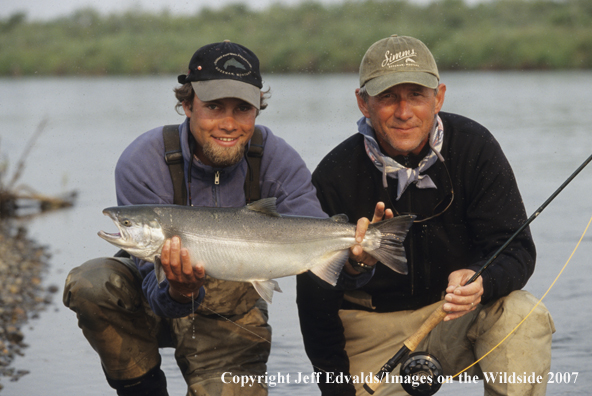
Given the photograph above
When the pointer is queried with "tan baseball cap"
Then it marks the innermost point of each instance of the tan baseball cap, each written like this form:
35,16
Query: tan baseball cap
396,60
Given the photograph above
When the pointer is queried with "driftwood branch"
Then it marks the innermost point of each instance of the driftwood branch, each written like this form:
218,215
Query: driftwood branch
14,199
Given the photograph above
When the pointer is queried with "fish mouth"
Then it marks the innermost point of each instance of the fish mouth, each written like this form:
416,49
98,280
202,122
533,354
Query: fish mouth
110,237
117,237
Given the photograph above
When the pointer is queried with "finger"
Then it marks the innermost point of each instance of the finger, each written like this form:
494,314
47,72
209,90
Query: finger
361,228
175,259
464,307
388,214
378,212
356,252
165,254
199,272
186,263
471,288
463,301
468,290
200,276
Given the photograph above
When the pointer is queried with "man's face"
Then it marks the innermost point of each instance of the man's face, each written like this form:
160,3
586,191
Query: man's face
403,116
221,128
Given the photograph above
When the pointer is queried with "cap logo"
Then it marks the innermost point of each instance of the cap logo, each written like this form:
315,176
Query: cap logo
393,60
231,64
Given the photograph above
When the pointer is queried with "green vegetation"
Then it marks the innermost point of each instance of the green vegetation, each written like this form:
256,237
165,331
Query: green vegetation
309,38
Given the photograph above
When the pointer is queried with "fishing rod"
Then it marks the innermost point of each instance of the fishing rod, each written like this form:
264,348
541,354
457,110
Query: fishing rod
425,364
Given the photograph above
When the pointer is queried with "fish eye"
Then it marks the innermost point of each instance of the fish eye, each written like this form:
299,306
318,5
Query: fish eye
127,222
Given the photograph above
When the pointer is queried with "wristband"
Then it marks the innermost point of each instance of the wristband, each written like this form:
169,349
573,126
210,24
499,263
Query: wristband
360,267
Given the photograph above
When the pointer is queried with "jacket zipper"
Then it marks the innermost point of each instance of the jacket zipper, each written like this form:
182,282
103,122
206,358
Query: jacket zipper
215,188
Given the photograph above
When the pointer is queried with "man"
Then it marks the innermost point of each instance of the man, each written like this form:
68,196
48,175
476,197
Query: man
123,311
451,173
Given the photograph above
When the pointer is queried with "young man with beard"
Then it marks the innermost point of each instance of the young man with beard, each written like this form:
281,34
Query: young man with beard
451,173
122,310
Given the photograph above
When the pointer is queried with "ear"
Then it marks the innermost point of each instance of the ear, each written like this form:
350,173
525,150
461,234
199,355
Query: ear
362,105
188,107
440,97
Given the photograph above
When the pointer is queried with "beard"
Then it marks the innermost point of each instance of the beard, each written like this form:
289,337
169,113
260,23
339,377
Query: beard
221,157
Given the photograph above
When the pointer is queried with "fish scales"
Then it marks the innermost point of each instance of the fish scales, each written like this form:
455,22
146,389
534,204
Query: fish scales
239,248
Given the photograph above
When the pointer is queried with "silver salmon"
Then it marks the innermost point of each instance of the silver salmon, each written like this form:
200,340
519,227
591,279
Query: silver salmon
254,243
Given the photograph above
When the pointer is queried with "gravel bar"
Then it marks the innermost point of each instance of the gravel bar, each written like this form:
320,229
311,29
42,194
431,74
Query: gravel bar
22,295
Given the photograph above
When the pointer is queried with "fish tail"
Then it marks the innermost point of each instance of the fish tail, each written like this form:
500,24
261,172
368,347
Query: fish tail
391,252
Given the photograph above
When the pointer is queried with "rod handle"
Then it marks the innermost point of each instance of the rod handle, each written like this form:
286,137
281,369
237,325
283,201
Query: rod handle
371,387
432,321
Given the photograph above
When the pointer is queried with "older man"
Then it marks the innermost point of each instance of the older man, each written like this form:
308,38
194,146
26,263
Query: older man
451,173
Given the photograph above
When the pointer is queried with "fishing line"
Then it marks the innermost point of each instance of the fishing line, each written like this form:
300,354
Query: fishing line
236,324
533,308
258,336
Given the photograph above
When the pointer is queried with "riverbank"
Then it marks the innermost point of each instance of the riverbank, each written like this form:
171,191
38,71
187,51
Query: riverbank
23,263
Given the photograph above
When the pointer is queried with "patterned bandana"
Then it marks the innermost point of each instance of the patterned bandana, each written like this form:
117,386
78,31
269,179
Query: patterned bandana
388,166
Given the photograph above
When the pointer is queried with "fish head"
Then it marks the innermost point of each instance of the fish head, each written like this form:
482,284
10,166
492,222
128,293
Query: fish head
140,233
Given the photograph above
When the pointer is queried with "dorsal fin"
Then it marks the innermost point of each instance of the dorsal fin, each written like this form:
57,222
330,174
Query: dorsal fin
265,206
340,218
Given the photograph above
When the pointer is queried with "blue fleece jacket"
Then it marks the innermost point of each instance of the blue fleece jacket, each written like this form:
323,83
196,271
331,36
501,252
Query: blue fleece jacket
142,177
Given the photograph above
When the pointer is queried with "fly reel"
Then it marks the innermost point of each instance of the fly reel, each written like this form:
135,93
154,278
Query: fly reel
421,374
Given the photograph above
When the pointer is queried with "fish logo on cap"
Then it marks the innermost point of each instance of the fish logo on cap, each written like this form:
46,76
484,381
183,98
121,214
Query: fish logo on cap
231,64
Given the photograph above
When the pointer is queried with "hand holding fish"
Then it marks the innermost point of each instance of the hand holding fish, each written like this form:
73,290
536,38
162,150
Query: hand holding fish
184,279
356,251
462,299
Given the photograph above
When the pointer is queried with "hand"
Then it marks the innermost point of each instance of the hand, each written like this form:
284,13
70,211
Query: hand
356,252
461,299
184,279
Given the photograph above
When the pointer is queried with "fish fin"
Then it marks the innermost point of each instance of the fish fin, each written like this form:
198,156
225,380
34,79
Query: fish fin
339,218
265,288
160,275
391,251
330,267
265,206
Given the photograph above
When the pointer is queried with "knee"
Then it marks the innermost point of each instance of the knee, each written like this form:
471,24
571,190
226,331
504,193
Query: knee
101,282
525,304
520,308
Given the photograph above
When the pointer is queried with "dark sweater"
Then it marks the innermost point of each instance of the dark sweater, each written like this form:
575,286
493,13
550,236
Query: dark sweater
486,210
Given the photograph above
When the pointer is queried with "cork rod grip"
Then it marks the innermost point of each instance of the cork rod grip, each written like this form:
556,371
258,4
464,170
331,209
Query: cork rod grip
432,321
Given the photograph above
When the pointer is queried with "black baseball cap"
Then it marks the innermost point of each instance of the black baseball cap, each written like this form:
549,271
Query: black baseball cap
224,70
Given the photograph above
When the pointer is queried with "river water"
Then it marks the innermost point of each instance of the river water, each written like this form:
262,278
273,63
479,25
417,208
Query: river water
542,120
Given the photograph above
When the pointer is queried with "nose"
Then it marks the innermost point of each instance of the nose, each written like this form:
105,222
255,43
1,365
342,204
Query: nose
228,123
403,110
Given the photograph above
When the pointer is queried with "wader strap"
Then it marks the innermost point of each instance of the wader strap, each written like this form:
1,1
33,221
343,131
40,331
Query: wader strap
252,190
174,159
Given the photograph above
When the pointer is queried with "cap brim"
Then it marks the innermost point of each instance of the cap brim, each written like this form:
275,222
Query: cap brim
382,83
218,89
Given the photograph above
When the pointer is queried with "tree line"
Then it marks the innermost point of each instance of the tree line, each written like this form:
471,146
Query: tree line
306,38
